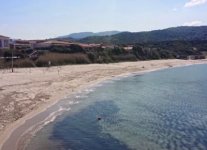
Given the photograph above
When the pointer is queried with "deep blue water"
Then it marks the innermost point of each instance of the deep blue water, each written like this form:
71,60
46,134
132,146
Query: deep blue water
161,110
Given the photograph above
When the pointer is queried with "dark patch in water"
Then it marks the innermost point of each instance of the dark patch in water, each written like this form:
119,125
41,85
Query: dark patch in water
82,131
163,110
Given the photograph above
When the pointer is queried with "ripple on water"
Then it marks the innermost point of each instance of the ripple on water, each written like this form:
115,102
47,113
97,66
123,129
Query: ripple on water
162,110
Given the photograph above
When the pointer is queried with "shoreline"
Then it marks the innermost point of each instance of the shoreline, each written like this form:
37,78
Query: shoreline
164,64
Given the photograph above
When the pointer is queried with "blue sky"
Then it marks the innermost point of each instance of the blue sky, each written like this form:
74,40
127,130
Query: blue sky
39,19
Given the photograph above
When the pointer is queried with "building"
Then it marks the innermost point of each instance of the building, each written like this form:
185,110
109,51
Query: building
193,57
128,49
89,46
108,46
49,43
34,43
20,44
4,42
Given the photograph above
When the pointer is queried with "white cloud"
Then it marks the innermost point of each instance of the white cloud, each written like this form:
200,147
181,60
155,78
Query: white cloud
192,3
193,23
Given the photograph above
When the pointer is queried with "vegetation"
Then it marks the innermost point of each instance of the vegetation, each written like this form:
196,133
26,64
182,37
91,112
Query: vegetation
170,43
64,49
169,49
170,34
56,59
76,55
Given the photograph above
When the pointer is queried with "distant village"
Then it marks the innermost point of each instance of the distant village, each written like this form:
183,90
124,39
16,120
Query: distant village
18,44
33,47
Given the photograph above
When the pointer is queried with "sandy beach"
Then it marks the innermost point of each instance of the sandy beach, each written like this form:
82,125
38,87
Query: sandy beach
29,91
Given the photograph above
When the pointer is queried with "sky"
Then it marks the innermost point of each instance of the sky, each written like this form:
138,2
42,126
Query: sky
40,19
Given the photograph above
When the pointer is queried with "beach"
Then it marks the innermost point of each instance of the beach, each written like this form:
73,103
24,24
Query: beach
29,91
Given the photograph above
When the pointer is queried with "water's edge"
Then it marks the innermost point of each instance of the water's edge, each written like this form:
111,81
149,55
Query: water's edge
22,134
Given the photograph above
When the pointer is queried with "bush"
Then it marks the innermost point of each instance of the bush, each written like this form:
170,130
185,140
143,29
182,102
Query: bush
61,59
92,57
19,63
23,63
66,49
2,64
129,57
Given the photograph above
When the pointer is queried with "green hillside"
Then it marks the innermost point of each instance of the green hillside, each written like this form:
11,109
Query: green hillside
170,34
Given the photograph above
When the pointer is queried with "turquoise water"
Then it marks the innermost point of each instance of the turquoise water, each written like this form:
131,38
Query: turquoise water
161,110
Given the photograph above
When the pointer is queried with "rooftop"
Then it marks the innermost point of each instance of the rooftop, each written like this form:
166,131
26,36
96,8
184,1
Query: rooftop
1,36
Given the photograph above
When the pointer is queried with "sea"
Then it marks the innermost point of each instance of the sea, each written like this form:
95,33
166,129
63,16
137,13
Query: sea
159,110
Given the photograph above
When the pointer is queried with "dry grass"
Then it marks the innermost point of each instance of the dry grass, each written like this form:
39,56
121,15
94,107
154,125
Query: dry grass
19,63
61,59
24,63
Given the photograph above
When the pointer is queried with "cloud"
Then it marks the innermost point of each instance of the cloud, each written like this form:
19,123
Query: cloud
193,3
193,23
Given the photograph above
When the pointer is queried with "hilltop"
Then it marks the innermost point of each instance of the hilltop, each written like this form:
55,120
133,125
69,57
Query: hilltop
183,33
82,35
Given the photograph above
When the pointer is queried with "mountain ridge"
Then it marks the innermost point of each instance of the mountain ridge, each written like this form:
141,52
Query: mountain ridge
81,35
187,33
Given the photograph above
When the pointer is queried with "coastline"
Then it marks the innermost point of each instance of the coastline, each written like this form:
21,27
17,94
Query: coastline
105,72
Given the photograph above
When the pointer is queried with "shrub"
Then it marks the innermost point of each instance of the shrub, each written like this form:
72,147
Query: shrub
23,63
92,57
18,63
129,57
61,59
66,49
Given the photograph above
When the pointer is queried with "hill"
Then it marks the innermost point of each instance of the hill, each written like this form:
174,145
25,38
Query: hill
89,34
171,34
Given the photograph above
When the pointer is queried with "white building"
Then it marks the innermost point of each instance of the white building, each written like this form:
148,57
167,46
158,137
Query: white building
4,42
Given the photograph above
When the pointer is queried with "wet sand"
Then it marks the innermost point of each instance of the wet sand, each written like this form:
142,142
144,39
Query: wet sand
26,94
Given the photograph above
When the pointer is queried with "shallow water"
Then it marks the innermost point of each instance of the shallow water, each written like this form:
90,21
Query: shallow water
161,110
